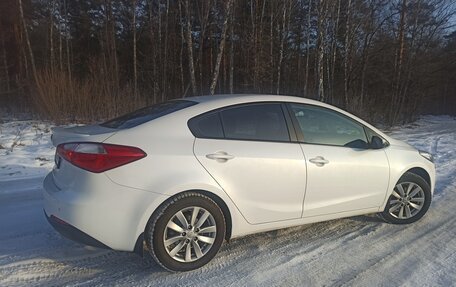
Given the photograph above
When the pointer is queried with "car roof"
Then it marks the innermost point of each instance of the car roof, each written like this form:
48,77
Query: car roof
207,103
242,98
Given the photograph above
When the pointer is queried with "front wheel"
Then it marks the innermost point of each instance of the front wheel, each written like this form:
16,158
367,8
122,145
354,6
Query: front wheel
186,232
409,200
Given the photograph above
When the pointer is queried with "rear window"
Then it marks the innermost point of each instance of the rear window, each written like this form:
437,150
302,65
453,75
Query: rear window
146,114
206,126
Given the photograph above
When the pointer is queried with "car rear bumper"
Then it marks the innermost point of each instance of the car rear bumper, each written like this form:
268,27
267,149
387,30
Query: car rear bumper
71,232
98,212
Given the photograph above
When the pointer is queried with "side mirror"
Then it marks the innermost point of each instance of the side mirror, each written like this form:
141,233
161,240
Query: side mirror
376,142
358,144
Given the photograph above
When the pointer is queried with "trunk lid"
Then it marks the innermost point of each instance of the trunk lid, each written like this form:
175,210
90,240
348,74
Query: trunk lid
90,133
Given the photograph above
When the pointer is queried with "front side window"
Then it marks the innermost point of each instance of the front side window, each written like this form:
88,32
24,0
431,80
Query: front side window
323,126
262,122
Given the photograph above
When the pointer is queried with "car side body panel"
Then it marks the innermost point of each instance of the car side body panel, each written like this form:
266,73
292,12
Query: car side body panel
353,179
115,206
280,166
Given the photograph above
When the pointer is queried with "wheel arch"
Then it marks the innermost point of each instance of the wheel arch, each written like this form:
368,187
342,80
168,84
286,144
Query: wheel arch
224,207
217,199
423,171
420,172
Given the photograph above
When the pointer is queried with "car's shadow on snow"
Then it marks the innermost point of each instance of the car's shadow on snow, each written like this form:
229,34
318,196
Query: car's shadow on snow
76,264
367,218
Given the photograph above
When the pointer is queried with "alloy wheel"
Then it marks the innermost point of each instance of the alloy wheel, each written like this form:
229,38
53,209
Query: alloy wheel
406,201
189,234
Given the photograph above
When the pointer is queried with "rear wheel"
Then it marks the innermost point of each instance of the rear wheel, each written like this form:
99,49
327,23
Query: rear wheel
409,200
186,232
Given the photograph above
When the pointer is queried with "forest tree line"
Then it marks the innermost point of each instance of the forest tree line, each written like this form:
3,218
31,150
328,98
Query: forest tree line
384,60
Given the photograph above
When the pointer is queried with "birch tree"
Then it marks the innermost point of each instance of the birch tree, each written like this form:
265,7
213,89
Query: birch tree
190,47
229,4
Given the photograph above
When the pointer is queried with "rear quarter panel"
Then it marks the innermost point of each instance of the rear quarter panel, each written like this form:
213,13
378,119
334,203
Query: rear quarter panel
170,166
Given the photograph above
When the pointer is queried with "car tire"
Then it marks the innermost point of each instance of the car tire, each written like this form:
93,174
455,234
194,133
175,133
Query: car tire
409,200
196,244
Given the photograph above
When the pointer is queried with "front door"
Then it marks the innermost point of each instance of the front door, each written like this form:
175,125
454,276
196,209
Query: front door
343,173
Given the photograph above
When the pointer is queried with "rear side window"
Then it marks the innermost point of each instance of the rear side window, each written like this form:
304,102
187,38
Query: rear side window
206,126
262,122
146,114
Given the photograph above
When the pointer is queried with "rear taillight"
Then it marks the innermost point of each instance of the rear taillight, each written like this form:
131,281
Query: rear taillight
98,157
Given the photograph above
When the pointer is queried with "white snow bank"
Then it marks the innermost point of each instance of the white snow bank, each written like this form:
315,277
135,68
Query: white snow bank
25,149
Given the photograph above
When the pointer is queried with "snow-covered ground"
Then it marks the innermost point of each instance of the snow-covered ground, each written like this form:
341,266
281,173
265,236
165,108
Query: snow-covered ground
25,150
360,251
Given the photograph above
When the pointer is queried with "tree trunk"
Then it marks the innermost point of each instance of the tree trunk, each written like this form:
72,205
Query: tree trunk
165,58
67,44
398,65
190,48
181,52
51,35
306,79
27,40
221,46
232,52
271,48
365,56
334,50
154,53
254,40
5,65
204,16
135,68
347,53
282,43
321,49
60,38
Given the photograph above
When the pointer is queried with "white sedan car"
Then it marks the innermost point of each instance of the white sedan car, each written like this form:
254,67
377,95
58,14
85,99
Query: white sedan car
185,175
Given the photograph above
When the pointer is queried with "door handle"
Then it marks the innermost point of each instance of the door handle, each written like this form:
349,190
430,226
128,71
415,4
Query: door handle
220,156
319,161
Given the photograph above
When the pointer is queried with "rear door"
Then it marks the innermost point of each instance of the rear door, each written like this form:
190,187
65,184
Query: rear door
343,173
247,150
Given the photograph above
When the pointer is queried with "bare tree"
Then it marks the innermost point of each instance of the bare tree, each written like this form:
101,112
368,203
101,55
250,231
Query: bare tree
386,60
221,46
60,37
165,58
190,48
347,52
271,45
5,65
306,79
398,67
203,16
181,51
322,12
135,65
51,34
334,50
284,31
27,39
67,42
232,52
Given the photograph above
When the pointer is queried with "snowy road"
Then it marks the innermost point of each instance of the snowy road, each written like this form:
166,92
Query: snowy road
358,251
